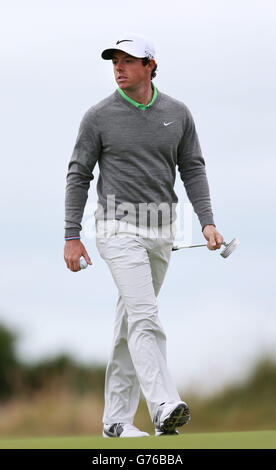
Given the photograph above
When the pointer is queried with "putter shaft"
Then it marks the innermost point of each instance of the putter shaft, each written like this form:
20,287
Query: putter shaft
192,246
229,247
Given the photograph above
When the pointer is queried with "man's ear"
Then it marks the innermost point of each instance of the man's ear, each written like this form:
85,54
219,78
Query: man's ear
152,64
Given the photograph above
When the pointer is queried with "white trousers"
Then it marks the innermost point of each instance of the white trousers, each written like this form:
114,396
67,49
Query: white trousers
138,265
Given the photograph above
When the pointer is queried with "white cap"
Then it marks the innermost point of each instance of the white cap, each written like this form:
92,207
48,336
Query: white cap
134,45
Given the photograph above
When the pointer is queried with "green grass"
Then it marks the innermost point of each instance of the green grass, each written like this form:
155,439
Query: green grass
218,440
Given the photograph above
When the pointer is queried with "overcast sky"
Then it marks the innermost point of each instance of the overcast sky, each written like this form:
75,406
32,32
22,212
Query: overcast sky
218,57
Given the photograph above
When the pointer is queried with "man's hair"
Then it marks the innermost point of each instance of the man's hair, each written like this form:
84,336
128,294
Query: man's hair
145,61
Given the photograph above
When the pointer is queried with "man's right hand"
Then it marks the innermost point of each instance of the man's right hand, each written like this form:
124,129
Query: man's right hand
73,250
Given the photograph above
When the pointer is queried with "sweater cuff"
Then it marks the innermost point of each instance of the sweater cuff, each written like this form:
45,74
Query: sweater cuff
206,220
72,234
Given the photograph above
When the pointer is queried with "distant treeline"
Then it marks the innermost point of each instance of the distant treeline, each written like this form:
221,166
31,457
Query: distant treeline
244,406
68,397
19,378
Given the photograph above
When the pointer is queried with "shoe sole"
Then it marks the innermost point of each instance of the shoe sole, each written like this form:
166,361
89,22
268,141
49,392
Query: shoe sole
179,416
161,433
104,434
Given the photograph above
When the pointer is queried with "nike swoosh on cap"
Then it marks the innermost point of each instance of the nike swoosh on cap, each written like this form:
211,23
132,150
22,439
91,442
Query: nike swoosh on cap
124,40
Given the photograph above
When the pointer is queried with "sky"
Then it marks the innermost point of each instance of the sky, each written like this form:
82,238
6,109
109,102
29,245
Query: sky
218,57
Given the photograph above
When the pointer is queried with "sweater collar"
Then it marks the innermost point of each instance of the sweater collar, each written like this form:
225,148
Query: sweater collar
139,105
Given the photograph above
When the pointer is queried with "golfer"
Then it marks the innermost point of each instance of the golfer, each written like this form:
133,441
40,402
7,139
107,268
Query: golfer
138,136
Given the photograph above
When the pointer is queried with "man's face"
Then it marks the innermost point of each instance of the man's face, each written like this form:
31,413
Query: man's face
129,71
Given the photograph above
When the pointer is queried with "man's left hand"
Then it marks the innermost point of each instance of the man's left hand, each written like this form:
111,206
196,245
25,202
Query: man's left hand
213,237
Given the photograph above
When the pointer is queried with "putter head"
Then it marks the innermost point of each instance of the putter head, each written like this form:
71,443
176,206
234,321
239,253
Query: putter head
229,248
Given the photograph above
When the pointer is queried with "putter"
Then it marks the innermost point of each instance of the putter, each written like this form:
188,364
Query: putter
229,247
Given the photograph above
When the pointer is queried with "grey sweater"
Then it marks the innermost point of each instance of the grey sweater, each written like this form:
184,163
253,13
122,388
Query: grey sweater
137,152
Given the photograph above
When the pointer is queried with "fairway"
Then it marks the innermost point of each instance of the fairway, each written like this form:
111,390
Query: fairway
219,440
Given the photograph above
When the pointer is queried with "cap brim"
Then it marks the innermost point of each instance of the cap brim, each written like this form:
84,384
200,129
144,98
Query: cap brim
107,54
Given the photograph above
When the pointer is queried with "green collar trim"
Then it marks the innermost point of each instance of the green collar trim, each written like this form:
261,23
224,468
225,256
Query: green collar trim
139,105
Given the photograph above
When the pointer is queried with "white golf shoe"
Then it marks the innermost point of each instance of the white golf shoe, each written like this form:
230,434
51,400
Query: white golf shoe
170,416
122,430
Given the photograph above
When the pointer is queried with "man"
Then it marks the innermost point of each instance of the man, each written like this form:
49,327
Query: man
138,136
